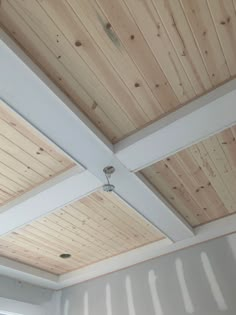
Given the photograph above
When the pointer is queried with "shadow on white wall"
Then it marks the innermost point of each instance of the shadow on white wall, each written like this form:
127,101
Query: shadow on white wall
215,288
188,304
153,289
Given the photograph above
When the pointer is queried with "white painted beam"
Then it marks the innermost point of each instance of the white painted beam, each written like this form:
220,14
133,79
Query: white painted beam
214,229
190,124
26,273
139,194
46,198
30,93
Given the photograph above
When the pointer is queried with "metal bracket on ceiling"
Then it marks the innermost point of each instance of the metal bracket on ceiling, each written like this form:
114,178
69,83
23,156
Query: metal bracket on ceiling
108,171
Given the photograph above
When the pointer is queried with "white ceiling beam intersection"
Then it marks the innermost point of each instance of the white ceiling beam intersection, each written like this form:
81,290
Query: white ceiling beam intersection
188,125
30,93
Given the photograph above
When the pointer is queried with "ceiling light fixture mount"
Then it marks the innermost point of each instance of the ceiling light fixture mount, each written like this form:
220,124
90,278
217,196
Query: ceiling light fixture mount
108,171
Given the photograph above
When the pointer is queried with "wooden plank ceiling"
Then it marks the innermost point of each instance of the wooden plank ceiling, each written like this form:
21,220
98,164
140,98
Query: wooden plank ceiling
126,63
27,159
200,182
96,227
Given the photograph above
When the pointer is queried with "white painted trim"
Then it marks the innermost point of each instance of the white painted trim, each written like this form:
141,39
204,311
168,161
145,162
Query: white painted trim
22,272
217,228
112,264
190,124
12,307
34,95
13,50
47,198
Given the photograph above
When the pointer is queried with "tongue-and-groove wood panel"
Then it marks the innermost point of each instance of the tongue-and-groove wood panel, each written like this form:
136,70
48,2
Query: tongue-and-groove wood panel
96,227
27,159
126,63
200,182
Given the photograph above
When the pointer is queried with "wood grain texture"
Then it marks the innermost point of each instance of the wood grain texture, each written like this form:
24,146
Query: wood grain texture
203,28
127,63
200,182
27,159
92,229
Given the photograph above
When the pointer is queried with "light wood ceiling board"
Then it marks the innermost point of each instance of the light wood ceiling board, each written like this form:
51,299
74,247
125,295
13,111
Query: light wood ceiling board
125,63
142,81
154,32
92,229
179,31
62,237
33,252
88,208
108,232
91,235
224,16
18,255
203,28
50,64
95,101
200,182
60,51
127,30
88,16
27,159
86,58
32,138
89,52
168,185
227,140
36,235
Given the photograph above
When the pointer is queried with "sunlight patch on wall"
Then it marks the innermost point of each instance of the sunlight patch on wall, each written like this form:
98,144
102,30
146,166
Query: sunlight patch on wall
183,285
66,307
130,298
154,294
108,299
86,303
215,288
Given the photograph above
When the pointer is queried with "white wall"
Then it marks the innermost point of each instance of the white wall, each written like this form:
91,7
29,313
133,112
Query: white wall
200,280
26,299
15,307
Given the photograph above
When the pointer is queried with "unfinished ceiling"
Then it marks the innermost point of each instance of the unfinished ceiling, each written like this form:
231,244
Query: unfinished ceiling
200,182
96,227
126,63
27,159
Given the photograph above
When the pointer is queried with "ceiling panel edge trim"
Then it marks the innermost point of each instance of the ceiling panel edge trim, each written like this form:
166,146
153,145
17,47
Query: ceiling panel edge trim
184,127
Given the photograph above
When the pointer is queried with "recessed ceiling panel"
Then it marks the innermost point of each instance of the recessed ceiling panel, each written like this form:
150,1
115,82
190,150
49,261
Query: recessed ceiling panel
200,182
27,159
127,63
92,229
